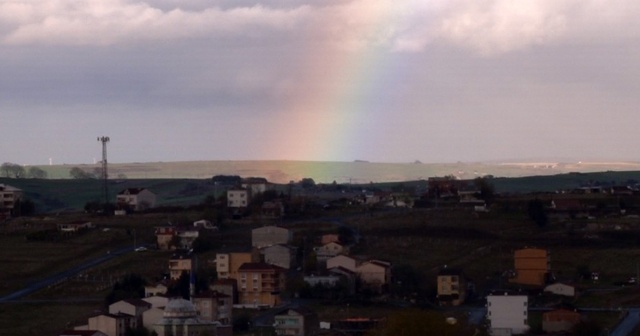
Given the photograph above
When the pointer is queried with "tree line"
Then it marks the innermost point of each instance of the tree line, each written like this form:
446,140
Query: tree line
14,170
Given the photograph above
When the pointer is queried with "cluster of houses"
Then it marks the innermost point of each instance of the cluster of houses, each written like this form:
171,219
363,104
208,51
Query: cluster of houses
507,310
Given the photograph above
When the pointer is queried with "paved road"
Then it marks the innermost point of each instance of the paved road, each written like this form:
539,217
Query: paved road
40,284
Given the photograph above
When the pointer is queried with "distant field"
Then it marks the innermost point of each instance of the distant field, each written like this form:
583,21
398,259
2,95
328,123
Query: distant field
341,172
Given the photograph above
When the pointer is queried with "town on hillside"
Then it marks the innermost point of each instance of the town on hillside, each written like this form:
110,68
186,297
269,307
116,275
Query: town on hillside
441,257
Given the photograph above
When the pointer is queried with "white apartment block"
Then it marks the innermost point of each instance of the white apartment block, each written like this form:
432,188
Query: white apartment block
507,314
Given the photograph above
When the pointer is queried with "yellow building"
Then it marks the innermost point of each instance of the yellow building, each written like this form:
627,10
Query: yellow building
452,287
260,284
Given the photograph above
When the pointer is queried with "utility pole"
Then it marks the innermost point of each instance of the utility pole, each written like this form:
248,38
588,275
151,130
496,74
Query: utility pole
105,175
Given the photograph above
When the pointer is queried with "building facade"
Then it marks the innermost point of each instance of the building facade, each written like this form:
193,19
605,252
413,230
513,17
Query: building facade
507,314
260,284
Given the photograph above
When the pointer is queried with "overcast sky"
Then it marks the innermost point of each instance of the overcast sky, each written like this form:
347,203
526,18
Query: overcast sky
324,80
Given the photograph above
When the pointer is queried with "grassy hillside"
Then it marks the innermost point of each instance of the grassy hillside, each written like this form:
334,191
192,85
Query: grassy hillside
341,172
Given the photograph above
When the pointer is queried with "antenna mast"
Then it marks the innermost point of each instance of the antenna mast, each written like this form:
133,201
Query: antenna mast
105,175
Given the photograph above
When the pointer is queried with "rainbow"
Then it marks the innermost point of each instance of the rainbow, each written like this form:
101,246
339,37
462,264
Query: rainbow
327,118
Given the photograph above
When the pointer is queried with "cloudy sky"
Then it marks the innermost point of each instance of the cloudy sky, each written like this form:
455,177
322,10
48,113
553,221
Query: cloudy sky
324,80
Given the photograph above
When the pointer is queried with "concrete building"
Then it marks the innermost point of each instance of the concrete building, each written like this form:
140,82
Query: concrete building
214,306
136,199
178,264
165,237
9,198
559,320
82,333
375,274
260,284
237,198
180,317
507,314
531,266
270,235
452,287
298,321
112,324
153,290
133,307
330,250
342,261
228,263
280,255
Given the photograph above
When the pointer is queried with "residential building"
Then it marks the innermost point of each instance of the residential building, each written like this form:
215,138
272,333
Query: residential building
270,235
452,287
279,255
165,237
132,307
298,321
342,261
112,324
82,333
559,320
237,198
375,274
180,317
9,198
228,263
561,289
228,287
531,266
214,306
157,301
178,264
507,313
255,185
330,250
136,199
153,290
260,284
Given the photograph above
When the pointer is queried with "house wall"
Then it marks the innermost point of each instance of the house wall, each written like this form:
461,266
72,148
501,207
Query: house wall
177,266
237,198
559,320
507,312
260,287
373,275
531,266
270,235
342,261
449,286
278,255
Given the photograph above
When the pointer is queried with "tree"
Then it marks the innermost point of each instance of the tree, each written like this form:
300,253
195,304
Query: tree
12,170
79,174
130,287
537,212
485,188
307,183
36,173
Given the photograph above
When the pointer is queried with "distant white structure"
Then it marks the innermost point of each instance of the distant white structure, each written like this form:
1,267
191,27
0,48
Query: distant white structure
51,161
